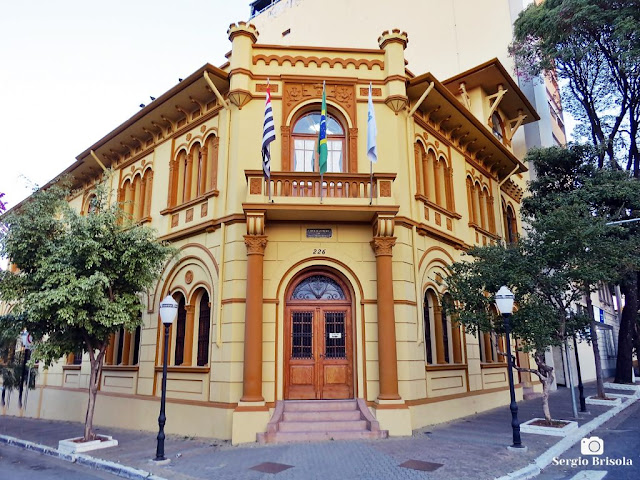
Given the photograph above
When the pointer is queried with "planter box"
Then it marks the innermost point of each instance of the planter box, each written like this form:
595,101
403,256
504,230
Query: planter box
615,400
570,426
75,445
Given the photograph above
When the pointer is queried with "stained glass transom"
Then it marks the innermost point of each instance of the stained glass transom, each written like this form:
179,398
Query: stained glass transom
318,287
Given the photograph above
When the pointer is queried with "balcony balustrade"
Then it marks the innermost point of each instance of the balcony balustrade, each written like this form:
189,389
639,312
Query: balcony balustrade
345,196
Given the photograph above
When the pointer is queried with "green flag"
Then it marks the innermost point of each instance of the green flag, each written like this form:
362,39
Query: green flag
322,134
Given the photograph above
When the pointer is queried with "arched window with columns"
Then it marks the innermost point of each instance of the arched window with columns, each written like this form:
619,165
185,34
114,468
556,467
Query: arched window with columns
135,196
443,335
194,174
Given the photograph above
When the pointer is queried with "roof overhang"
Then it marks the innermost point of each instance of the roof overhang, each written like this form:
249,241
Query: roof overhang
488,76
443,109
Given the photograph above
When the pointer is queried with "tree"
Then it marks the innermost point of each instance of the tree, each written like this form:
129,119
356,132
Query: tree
571,203
79,279
594,46
542,318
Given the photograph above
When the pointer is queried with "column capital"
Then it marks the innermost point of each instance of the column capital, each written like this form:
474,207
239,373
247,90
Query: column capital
190,308
383,245
256,244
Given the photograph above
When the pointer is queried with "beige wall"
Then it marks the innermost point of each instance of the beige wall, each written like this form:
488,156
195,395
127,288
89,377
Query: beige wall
208,232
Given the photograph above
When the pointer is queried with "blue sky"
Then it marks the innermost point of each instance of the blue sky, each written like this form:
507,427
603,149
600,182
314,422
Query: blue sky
73,70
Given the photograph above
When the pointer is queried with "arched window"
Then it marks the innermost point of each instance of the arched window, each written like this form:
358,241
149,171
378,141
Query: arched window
470,201
442,334
488,207
181,323
497,126
204,320
510,225
428,309
124,347
305,144
194,174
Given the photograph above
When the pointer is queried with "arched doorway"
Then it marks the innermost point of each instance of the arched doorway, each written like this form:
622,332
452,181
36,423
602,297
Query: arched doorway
318,334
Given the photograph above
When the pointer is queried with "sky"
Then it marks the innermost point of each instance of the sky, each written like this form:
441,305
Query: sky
73,70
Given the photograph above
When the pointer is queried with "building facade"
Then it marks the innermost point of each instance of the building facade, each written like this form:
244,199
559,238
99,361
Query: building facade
303,287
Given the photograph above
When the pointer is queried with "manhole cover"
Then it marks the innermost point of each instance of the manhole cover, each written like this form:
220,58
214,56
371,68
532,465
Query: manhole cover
420,465
270,467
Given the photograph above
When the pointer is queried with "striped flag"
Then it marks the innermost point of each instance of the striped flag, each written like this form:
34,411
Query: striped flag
268,135
372,132
322,134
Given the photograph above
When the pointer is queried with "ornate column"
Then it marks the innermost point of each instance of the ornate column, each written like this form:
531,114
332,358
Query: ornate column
188,335
256,243
173,183
382,245
147,193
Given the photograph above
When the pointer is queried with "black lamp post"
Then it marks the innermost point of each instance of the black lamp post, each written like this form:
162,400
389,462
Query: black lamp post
504,302
168,311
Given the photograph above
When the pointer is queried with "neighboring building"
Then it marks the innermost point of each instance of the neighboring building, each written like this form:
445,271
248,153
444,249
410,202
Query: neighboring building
331,289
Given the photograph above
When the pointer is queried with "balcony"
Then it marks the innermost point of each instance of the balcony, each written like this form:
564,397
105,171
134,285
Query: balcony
345,196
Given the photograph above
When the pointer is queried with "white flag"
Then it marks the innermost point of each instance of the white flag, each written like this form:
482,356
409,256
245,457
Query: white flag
372,132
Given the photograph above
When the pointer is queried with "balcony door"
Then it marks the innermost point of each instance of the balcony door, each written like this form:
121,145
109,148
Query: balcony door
318,340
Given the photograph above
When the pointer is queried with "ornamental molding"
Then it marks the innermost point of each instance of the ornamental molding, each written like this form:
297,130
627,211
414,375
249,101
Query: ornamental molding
383,246
318,61
296,93
256,244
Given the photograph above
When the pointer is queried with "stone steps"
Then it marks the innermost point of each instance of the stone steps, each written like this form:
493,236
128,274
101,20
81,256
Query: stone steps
321,420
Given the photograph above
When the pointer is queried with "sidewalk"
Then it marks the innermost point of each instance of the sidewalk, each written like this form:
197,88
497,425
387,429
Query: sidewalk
474,447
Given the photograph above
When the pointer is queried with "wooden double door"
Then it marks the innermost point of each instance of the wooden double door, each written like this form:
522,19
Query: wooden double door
319,343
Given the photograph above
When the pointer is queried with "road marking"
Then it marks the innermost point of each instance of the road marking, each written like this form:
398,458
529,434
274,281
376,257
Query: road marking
589,475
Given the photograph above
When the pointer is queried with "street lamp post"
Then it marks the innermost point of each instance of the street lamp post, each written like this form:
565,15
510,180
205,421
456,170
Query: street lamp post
504,302
168,311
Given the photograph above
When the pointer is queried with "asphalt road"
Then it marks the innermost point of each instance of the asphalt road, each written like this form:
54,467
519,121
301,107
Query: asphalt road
620,443
19,464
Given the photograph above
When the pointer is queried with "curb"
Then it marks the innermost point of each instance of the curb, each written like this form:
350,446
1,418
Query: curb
87,460
535,468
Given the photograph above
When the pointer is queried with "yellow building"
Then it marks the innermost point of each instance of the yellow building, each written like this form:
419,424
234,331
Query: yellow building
330,289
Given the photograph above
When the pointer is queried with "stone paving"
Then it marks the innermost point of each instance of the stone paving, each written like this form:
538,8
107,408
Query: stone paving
474,447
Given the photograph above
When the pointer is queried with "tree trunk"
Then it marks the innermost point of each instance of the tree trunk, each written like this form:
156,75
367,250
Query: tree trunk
546,389
94,380
545,374
593,333
624,361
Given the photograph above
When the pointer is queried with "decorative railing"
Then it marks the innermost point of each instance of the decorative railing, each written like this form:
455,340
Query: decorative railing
309,185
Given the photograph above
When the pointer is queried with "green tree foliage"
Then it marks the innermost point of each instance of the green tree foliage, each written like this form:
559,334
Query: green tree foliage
80,278
568,249
594,45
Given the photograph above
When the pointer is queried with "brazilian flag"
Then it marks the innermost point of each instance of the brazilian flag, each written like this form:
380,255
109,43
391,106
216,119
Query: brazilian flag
322,134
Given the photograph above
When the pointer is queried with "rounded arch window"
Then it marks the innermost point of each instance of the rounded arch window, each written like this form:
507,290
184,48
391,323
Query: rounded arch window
305,143
318,287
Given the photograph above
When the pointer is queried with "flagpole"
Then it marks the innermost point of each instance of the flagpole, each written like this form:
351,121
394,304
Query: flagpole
269,177
371,183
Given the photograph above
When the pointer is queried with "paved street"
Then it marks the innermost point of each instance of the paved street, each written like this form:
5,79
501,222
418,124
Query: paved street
472,448
19,464
621,439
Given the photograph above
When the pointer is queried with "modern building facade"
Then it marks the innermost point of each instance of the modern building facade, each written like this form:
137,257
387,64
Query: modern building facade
303,287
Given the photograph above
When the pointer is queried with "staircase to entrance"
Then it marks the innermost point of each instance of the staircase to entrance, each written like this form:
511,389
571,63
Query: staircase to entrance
317,420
